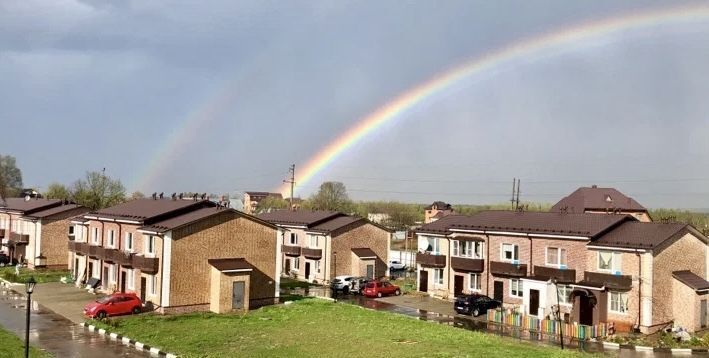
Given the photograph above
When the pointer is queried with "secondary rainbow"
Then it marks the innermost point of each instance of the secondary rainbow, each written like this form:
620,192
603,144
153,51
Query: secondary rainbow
567,37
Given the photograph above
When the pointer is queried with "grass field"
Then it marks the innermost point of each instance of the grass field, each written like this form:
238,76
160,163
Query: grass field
12,346
316,328
40,275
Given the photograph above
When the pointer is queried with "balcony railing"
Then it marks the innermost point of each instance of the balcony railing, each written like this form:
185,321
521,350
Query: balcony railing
613,282
313,254
561,275
19,239
96,252
149,265
508,269
112,255
466,264
125,258
78,247
431,260
290,250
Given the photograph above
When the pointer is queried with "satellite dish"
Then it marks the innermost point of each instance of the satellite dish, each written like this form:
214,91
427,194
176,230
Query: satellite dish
27,198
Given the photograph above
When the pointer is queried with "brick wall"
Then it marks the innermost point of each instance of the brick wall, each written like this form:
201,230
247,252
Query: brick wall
228,235
576,253
362,236
55,235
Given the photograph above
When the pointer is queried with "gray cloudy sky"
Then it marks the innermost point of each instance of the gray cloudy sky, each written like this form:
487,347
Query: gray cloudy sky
92,84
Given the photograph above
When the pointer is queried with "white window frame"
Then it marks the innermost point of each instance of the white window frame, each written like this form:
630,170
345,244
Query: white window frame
616,262
621,299
519,292
559,252
112,273
95,239
96,269
149,246
130,279
152,285
293,239
316,265
474,282
315,239
111,239
438,277
295,264
128,239
72,230
564,292
435,244
514,248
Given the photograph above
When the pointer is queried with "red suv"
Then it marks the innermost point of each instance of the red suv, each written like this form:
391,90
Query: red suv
115,304
379,289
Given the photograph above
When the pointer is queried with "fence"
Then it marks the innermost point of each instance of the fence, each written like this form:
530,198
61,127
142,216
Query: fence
546,326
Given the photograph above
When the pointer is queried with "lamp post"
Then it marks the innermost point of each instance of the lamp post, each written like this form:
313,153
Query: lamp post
29,288
334,254
558,313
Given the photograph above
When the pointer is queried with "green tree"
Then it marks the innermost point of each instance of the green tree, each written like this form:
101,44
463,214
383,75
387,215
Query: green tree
58,191
137,195
10,177
332,195
270,203
98,191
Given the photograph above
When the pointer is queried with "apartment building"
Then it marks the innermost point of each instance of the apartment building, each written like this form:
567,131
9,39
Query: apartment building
601,201
595,268
319,245
178,255
252,198
34,230
436,210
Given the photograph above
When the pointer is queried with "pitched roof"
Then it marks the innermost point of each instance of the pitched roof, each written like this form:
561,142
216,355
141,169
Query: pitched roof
335,223
299,217
440,205
231,264
641,235
595,198
263,194
364,252
588,225
55,210
184,219
692,280
147,209
29,206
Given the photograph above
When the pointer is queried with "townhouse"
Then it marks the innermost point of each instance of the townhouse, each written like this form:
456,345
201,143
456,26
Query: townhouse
34,230
252,199
602,201
178,255
319,245
436,211
594,268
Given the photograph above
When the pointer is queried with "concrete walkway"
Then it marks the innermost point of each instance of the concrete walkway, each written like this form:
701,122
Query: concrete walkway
64,299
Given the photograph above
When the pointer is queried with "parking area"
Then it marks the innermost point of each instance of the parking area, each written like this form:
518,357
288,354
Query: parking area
64,299
427,304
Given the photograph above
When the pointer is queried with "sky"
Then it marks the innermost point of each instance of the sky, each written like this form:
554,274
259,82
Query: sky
222,96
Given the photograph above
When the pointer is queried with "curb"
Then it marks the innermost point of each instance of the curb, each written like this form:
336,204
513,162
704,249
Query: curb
646,349
127,341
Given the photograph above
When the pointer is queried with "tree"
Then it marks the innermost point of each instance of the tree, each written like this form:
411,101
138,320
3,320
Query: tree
270,203
332,195
97,191
57,191
10,177
137,195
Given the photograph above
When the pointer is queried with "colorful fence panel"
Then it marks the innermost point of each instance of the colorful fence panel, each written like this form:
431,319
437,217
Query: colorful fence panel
545,326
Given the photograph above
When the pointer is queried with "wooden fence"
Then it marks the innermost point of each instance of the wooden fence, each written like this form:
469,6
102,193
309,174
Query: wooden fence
545,326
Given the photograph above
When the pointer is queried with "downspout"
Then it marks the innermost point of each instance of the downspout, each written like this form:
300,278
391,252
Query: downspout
487,277
162,269
327,277
118,267
448,264
640,288
531,256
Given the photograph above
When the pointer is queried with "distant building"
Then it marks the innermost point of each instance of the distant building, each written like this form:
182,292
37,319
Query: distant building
252,198
436,211
379,218
601,200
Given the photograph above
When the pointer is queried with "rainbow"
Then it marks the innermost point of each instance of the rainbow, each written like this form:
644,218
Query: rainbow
520,50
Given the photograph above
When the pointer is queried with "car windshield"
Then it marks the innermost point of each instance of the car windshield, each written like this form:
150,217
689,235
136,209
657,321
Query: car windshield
370,285
104,300
336,280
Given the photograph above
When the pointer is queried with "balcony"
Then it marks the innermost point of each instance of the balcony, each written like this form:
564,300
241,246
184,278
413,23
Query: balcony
465,264
290,250
112,255
125,258
79,247
313,254
508,269
431,260
561,275
96,252
610,281
19,239
149,265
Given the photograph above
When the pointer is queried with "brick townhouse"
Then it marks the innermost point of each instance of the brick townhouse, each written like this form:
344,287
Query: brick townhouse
34,230
319,245
601,200
179,255
606,268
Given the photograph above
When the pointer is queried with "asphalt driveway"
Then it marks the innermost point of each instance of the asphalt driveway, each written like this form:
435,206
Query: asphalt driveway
64,299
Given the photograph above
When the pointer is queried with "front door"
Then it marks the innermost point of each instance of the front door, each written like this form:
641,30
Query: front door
533,302
104,279
143,288
287,266
498,290
237,295
123,281
586,310
458,286
307,270
370,272
703,315
423,281
91,271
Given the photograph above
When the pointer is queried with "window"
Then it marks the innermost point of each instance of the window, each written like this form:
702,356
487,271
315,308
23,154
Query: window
510,252
128,242
94,236
71,230
150,245
313,241
619,302
130,279
111,239
470,249
293,239
433,246
609,261
96,269
516,288
295,263
556,257
438,276
474,284
317,266
153,284
112,273
564,294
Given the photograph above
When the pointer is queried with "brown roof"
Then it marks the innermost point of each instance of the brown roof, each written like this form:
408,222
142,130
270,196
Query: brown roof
588,225
440,205
29,206
190,217
299,217
595,198
55,210
262,194
690,279
641,235
230,264
150,209
364,252
335,223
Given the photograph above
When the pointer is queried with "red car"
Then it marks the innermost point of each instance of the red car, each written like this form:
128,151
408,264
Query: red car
113,305
379,289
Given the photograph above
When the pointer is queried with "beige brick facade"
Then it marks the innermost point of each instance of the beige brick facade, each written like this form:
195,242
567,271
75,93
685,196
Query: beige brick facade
361,235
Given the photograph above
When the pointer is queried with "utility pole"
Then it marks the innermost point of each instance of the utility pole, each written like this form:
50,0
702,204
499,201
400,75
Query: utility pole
512,201
518,183
291,170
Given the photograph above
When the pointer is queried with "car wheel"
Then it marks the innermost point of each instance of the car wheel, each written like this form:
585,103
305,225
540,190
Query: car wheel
476,312
379,294
101,315
398,292
346,290
136,310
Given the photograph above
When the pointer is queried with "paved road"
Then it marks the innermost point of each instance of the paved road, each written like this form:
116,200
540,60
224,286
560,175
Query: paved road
54,333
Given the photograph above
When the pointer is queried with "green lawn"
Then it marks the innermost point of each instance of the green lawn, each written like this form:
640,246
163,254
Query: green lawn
316,328
12,346
40,275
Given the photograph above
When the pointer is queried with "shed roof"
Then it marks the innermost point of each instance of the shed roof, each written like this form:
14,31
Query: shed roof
231,264
364,252
691,279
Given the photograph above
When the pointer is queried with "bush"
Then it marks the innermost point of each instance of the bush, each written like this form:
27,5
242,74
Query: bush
667,340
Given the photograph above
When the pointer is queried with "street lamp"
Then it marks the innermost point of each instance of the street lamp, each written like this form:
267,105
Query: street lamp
29,288
558,313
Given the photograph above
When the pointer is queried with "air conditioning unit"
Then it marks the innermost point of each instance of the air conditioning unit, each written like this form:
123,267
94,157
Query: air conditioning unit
562,267
617,273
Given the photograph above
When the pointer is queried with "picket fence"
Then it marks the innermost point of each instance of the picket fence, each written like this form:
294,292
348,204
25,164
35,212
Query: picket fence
546,326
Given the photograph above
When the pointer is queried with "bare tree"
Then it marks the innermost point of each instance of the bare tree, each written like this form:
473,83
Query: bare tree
331,196
57,191
10,178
